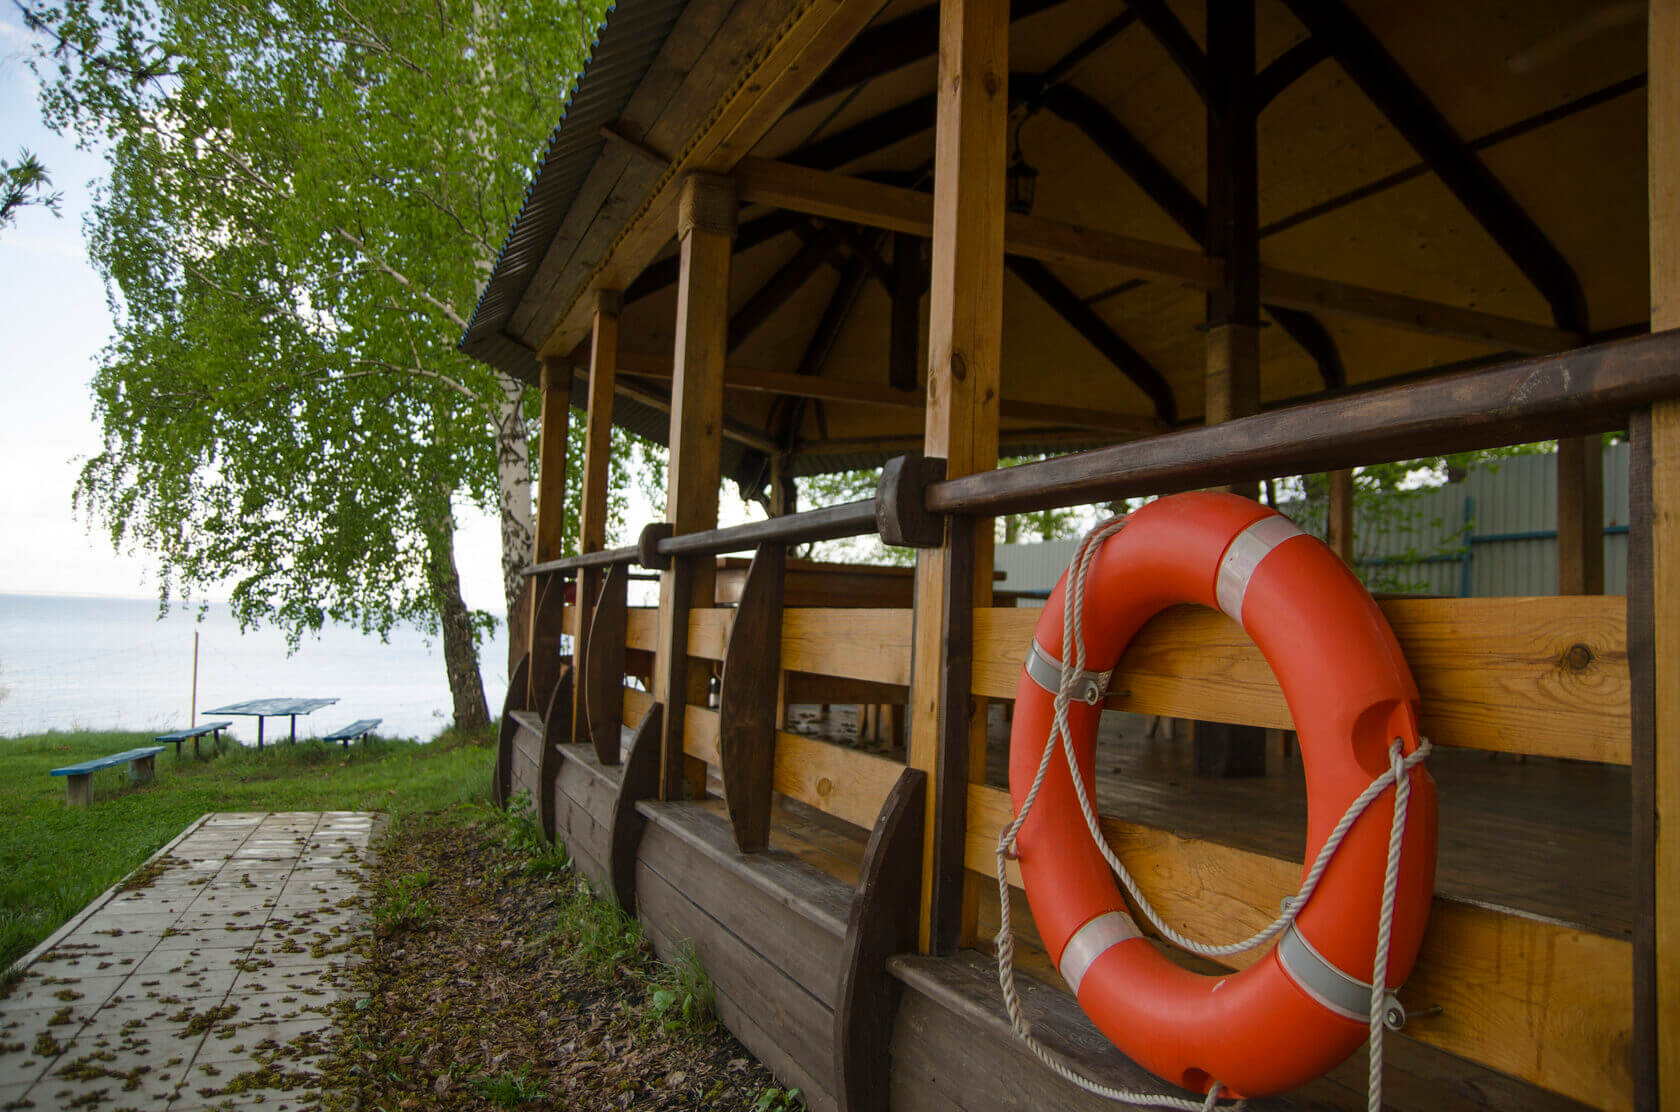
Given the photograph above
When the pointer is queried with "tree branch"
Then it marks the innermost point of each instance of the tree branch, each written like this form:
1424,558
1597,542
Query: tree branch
400,278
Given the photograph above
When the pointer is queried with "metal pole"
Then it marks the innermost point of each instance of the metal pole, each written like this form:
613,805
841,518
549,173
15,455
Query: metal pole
192,713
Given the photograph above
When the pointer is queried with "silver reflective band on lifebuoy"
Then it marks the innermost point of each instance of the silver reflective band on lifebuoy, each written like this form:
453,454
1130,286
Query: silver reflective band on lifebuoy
1046,671
1091,942
1243,556
1347,996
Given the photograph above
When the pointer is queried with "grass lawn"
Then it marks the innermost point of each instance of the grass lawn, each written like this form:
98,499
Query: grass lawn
54,859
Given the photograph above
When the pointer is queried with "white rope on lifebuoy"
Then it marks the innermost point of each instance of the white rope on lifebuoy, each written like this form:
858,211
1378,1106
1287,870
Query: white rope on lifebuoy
1072,665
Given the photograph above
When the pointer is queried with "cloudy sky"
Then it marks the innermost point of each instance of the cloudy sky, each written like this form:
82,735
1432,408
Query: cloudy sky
54,321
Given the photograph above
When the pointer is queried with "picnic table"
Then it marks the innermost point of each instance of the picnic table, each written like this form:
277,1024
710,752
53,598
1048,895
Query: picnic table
262,709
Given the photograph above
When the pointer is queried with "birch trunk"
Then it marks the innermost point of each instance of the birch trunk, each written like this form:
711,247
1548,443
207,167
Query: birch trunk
513,480
460,651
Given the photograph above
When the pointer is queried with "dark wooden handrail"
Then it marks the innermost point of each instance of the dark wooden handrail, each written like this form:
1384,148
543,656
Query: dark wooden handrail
1588,390
603,559
853,519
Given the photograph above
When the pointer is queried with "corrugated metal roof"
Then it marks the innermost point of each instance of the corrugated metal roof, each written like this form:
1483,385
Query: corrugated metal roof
624,50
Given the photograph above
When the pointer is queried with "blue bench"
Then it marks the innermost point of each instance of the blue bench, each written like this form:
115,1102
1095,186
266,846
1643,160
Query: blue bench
358,729
142,769
193,734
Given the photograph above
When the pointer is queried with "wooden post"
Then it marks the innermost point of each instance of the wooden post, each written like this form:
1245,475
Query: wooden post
784,489
705,228
1657,855
1339,522
547,605
597,452
1232,379
1580,515
948,728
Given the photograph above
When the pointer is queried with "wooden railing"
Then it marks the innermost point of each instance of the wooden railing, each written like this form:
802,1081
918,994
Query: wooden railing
1544,1001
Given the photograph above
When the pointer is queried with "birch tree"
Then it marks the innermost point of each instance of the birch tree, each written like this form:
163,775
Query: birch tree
305,198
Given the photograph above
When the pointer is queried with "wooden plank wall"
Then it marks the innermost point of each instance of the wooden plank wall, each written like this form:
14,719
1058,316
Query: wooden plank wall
525,758
584,794
767,927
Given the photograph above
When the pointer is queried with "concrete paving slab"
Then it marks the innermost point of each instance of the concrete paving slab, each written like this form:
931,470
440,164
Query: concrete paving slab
224,949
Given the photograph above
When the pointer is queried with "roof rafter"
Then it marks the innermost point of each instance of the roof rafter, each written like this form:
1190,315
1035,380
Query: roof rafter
892,46
1175,38
1288,68
1416,118
1098,333
1183,207
819,247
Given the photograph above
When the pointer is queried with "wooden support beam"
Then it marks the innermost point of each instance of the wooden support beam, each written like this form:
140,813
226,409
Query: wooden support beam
1099,334
1319,295
1339,514
1160,185
788,280
1312,337
747,700
1176,39
1545,118
967,217
1411,113
819,388
1580,515
543,630
820,346
892,46
597,456
1288,68
662,275
1231,385
732,430
868,136
905,333
1656,772
895,208
1128,153
773,73
603,668
705,224
854,200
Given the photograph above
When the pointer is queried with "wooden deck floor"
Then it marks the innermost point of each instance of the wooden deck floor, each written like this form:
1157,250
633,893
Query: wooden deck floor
1545,837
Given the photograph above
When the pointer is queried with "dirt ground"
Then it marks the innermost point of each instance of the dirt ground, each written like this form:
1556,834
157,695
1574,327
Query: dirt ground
495,980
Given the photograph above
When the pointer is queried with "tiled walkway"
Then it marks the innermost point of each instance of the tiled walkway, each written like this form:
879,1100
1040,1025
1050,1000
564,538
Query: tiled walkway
206,982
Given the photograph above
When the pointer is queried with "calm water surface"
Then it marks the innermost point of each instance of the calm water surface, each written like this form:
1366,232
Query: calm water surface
71,663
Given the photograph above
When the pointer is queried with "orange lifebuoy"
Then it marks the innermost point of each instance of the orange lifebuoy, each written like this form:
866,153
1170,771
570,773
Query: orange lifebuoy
1302,1008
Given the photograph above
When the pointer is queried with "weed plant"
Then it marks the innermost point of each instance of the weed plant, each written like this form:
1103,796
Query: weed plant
401,906
510,1090
604,942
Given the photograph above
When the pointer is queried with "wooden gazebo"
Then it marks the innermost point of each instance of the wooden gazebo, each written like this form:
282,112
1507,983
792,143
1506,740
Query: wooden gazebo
1172,246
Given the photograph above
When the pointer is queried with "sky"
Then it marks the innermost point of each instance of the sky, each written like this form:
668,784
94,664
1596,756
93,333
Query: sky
55,321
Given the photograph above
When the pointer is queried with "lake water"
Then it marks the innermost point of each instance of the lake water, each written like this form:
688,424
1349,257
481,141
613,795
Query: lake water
70,663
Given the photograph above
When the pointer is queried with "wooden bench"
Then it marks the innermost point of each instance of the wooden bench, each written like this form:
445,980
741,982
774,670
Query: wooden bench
357,730
193,734
141,771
